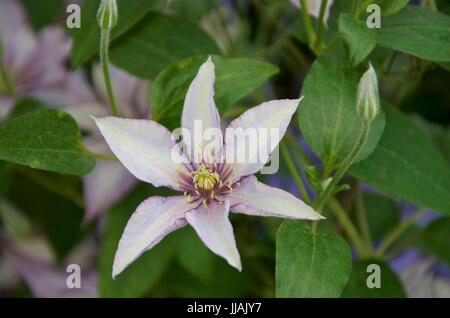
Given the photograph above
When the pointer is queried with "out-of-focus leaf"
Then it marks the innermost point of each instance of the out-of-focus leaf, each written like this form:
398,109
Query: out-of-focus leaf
5,176
140,276
310,264
193,255
24,106
382,214
41,13
438,134
87,38
235,78
419,32
388,6
59,218
47,139
158,41
193,10
407,164
390,284
359,40
14,221
327,115
434,239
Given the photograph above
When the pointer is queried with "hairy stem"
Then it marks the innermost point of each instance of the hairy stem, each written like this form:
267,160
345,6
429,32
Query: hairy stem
345,165
104,43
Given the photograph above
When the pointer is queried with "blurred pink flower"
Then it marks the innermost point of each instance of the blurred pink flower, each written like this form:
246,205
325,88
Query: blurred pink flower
35,63
109,181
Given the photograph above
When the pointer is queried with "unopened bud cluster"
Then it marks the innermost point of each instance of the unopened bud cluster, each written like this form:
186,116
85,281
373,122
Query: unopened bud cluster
367,100
107,14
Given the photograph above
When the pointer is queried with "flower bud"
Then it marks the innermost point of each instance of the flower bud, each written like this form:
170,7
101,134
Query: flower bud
107,14
367,100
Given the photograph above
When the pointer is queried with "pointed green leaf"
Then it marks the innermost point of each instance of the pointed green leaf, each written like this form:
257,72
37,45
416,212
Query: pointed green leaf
157,42
407,164
419,32
310,264
87,38
390,285
359,40
47,139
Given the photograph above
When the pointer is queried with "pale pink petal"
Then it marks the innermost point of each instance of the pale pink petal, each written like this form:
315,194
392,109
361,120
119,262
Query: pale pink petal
106,184
16,36
153,219
47,280
200,116
214,228
82,113
251,138
131,93
256,198
147,149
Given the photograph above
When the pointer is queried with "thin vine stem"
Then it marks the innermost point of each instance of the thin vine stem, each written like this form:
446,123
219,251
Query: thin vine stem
307,22
294,172
320,26
344,166
362,217
397,231
104,43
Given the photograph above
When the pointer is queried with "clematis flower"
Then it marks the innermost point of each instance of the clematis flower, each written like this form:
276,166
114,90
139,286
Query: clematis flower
212,182
109,181
314,8
35,63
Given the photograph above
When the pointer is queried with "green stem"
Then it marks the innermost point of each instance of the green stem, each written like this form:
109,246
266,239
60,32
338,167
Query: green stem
397,231
294,172
102,156
7,82
362,218
320,26
307,22
349,228
104,42
345,165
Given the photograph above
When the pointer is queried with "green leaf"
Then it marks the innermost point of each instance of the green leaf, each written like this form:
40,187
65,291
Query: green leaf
310,264
193,255
407,164
388,6
47,139
419,32
87,39
382,214
390,285
327,115
41,13
235,78
59,218
359,40
434,239
157,42
24,106
140,276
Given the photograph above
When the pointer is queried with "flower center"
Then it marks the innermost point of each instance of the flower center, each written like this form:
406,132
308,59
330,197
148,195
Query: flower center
205,178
